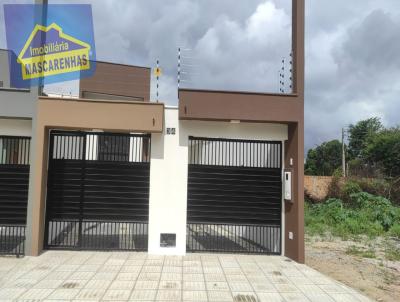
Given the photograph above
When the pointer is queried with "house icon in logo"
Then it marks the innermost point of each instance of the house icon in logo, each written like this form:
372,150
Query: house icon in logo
48,51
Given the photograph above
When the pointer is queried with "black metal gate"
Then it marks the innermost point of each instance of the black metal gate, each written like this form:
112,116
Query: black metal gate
14,183
234,196
98,191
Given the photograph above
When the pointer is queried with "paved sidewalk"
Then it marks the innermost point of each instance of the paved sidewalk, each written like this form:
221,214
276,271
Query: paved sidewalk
101,276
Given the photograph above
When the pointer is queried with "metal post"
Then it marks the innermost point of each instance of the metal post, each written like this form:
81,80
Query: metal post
157,76
179,66
343,156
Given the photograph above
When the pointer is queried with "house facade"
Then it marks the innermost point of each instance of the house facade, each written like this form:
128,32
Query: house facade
113,170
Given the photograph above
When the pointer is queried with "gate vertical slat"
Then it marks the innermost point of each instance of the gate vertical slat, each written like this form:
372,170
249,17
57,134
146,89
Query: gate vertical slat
97,190
14,185
235,196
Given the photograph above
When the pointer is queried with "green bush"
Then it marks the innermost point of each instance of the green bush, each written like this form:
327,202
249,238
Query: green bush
395,230
349,188
365,214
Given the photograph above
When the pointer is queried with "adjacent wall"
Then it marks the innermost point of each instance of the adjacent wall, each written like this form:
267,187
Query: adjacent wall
169,169
16,127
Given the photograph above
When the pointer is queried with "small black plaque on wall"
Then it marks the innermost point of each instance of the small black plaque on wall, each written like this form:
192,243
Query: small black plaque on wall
167,240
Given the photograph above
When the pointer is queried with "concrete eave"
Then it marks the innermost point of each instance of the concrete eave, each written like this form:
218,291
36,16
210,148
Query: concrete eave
120,116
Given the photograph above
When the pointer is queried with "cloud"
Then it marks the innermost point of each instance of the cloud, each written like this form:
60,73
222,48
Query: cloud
352,51
352,71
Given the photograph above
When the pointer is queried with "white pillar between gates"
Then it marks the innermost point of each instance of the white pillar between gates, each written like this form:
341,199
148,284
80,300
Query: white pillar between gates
168,186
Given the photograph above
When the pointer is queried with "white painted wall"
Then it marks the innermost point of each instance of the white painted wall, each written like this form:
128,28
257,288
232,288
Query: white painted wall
16,127
169,168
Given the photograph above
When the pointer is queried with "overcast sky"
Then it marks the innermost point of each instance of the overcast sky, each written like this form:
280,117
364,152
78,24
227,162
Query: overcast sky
352,51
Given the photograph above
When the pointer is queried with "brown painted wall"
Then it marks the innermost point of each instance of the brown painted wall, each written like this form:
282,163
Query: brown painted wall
294,211
317,187
117,79
81,114
228,105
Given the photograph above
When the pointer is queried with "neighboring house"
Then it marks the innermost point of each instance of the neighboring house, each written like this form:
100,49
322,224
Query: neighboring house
112,170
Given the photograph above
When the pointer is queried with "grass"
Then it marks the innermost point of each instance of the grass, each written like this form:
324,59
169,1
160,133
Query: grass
359,252
362,216
365,214
392,253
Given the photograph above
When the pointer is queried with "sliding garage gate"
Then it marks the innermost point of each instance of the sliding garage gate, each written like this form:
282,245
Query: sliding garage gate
98,191
14,183
234,196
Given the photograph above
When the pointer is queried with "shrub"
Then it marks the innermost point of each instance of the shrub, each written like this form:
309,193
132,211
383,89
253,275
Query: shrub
350,187
365,214
395,230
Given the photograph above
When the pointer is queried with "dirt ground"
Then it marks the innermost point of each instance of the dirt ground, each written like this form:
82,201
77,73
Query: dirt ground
375,276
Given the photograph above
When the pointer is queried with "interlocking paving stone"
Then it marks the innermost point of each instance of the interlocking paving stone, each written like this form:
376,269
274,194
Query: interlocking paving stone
172,269
295,297
217,285
169,295
58,275
110,268
343,297
232,271
151,269
286,288
98,284
131,269
66,294
48,284
195,296
309,288
318,297
36,293
71,284
270,297
104,276
116,295
134,262
171,276
11,293
146,285
240,286
220,296
67,268
192,270
81,275
143,295
149,276
115,276
156,262
194,285
90,294
332,288
193,277
88,268
244,297
264,287
215,277
122,285
21,283
237,278
170,284
127,276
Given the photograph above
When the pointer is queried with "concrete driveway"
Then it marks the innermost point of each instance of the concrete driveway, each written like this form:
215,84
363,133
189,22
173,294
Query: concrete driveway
128,276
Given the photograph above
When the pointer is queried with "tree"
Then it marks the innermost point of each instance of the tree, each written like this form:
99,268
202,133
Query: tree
324,159
383,150
360,133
